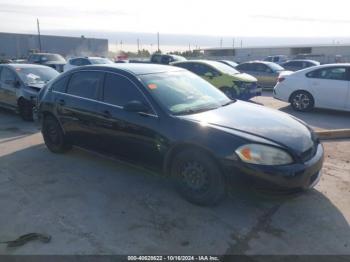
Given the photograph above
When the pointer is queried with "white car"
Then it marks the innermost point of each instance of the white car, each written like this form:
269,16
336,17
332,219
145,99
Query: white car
82,61
324,86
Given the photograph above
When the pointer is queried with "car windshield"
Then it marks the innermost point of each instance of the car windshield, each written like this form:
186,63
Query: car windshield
275,67
100,61
223,68
178,58
183,92
231,63
36,75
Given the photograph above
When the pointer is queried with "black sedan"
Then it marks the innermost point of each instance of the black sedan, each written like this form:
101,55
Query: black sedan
169,119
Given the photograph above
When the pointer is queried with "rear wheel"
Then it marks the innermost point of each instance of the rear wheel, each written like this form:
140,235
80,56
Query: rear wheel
54,137
302,101
230,92
25,109
198,178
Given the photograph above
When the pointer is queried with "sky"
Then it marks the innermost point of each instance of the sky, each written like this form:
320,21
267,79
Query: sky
220,18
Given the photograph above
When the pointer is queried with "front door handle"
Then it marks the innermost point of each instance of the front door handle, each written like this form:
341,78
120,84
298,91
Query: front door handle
61,102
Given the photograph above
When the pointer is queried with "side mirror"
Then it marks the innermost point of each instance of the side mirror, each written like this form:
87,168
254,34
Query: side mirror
136,106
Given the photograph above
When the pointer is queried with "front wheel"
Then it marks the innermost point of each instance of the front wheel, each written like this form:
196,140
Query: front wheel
25,109
302,101
198,178
54,137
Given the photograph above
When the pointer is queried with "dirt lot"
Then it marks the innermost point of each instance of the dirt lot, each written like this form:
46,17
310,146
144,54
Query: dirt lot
90,204
319,119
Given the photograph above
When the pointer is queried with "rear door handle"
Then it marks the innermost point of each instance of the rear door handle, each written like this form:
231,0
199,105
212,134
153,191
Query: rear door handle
61,102
106,114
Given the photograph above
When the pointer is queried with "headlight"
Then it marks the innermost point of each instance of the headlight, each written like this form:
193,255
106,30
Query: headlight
263,155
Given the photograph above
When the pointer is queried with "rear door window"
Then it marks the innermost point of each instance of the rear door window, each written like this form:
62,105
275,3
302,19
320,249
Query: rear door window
7,74
85,84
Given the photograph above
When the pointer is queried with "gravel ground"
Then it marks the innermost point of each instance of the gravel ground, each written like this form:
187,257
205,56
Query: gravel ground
91,204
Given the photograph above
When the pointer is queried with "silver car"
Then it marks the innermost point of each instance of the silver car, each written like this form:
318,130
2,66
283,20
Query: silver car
298,64
20,85
266,72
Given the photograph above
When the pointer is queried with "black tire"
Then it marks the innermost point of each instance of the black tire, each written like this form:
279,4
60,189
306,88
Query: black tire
53,135
25,109
302,101
197,177
230,92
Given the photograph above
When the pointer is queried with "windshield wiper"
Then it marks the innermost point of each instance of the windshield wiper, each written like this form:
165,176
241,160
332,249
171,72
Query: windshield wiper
229,103
193,111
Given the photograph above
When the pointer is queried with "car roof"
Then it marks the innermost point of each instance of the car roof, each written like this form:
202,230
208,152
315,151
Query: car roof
332,65
227,61
14,66
45,54
88,57
259,61
136,69
302,60
309,69
202,61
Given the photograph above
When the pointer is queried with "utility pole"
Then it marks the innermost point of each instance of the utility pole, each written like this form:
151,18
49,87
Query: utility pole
138,45
241,43
221,42
39,36
158,42
233,43
121,45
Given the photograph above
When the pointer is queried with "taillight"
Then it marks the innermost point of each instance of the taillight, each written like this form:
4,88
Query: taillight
280,79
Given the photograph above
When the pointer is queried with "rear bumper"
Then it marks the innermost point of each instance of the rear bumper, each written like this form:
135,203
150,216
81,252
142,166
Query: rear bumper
294,176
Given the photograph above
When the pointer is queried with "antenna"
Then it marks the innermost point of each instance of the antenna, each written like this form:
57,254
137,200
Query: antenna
158,42
39,36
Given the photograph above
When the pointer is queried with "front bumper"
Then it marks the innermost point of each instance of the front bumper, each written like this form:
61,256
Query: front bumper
247,94
295,176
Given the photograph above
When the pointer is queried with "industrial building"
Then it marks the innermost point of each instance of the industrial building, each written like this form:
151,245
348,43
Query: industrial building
321,53
21,45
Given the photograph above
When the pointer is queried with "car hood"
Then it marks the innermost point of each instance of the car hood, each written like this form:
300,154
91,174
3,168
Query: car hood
36,86
244,77
260,121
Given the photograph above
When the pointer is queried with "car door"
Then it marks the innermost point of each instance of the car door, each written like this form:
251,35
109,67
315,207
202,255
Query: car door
9,86
130,135
267,76
330,86
77,107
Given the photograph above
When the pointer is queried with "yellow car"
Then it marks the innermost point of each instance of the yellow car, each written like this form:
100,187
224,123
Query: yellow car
230,81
